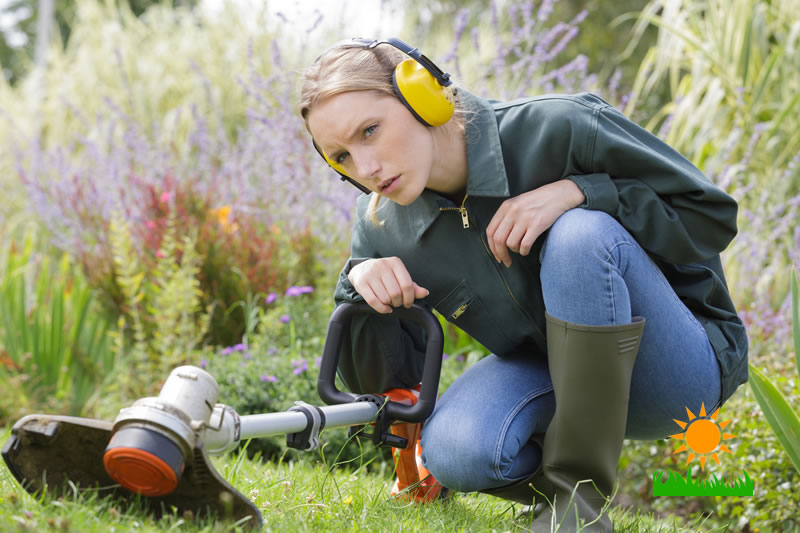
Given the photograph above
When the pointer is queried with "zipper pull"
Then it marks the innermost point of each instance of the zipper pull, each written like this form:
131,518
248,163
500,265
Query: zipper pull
464,216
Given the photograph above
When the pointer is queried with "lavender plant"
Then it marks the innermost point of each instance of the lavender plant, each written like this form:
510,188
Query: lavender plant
276,206
518,51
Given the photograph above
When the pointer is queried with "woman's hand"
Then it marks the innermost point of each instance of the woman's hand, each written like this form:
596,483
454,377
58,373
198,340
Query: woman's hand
520,220
385,283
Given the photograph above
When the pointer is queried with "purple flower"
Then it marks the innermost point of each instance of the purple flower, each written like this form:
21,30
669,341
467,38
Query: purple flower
271,297
272,350
203,363
300,366
239,347
285,319
227,351
297,291
265,378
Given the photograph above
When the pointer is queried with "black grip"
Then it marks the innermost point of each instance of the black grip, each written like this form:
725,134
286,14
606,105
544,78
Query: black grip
340,319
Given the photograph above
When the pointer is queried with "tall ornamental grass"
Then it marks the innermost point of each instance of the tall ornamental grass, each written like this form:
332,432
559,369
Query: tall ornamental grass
733,72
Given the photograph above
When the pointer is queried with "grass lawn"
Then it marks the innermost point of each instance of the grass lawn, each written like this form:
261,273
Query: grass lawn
295,497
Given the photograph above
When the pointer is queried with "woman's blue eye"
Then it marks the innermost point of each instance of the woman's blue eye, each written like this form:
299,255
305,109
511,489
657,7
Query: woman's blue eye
368,132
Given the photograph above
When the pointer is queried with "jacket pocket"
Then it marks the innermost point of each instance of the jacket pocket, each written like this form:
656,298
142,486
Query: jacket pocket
463,308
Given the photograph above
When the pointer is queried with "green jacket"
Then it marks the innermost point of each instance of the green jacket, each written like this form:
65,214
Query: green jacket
677,215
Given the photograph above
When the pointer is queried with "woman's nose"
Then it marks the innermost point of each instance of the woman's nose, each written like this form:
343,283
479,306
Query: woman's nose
368,166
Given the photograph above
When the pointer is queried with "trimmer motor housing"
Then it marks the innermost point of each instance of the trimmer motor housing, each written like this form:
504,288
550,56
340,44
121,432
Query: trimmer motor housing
154,438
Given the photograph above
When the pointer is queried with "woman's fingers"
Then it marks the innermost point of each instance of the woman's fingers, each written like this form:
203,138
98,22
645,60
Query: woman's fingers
406,294
385,283
497,236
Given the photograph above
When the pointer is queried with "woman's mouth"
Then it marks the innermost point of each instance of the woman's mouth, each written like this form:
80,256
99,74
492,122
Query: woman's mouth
387,186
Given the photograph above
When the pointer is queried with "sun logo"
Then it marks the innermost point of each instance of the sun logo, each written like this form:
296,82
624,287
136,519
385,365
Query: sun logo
703,436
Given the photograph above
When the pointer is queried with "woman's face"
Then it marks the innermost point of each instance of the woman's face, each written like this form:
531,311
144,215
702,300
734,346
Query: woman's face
377,141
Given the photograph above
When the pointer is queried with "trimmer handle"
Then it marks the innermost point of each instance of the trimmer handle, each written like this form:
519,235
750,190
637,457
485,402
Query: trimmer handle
338,324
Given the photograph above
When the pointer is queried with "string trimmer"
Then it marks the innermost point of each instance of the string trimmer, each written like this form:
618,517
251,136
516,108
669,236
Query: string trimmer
159,447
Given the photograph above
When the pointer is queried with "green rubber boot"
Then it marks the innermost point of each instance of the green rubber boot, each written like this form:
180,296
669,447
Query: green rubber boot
591,369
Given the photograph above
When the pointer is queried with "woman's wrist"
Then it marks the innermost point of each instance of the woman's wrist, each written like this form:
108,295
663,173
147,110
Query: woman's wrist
572,193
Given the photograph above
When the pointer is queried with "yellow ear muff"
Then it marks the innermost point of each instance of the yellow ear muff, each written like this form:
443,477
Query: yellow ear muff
425,97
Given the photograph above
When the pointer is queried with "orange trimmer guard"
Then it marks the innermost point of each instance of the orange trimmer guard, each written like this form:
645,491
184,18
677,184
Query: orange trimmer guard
414,482
46,452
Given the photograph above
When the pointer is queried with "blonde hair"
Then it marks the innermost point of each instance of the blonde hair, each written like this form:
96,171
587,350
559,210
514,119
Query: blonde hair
345,68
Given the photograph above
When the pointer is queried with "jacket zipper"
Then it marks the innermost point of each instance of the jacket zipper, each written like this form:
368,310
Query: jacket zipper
462,210
465,220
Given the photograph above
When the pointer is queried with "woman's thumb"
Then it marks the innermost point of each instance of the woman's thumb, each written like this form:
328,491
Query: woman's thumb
420,292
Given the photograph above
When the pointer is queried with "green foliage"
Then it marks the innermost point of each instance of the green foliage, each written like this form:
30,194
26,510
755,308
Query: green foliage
783,419
779,413
796,320
55,349
164,303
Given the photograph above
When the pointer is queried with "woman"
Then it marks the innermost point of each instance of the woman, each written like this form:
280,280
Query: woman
550,229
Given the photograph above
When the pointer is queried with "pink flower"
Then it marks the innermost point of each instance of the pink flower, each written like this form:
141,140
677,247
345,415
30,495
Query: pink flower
151,224
160,254
165,197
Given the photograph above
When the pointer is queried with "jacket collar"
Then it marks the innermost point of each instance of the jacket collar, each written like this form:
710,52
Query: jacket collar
487,173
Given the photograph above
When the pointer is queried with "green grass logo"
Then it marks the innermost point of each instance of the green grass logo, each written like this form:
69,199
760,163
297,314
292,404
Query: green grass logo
702,438
677,485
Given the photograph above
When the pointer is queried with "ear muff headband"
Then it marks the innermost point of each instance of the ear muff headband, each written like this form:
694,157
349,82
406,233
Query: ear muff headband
423,87
419,84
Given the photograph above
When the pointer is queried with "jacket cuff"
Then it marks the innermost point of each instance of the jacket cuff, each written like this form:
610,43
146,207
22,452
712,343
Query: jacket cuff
598,190
345,292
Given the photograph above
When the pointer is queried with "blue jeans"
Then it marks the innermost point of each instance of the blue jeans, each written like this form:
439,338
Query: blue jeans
592,272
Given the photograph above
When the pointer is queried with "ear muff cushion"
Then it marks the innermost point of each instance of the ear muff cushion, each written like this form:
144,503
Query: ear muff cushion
423,95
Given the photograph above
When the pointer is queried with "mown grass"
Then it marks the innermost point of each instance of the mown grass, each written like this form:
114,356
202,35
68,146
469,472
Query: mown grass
297,497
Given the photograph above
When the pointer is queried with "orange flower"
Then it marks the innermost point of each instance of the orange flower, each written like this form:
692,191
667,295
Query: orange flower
223,216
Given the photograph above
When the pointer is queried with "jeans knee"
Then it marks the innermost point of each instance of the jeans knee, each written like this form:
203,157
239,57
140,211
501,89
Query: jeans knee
576,233
453,459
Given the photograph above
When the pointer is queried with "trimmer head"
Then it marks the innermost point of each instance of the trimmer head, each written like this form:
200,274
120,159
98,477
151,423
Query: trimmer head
49,451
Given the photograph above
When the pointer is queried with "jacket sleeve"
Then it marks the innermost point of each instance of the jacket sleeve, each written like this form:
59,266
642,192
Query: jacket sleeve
379,352
662,199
